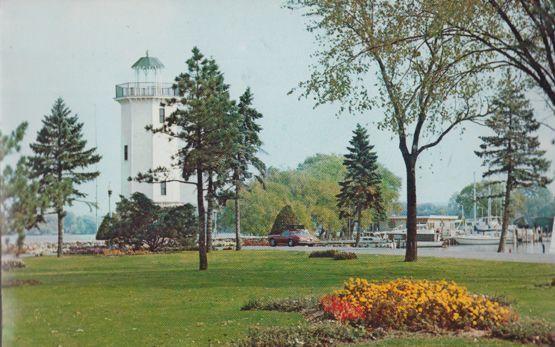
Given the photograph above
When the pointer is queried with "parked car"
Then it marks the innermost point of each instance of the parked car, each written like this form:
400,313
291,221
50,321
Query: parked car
293,238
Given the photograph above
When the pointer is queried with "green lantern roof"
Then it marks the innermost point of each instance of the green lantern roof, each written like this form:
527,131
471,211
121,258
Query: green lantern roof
148,63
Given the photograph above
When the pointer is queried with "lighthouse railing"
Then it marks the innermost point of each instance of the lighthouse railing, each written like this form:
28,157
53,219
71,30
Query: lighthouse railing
144,89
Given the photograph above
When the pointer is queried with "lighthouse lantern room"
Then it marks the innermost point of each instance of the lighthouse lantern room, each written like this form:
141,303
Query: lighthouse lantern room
142,104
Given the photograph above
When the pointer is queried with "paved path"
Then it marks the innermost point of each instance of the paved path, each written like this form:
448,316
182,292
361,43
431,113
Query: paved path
430,252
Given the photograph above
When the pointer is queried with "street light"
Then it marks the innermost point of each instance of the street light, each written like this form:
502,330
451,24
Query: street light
109,200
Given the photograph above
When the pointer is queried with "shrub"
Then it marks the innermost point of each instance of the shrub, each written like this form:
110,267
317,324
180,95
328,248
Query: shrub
344,256
285,218
284,305
320,334
529,331
85,250
329,253
414,305
118,252
12,264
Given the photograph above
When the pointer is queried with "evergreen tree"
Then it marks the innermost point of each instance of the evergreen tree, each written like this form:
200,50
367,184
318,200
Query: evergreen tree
247,146
361,187
204,123
513,150
60,161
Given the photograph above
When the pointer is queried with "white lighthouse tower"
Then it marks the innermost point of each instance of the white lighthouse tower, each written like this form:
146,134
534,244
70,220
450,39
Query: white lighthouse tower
142,150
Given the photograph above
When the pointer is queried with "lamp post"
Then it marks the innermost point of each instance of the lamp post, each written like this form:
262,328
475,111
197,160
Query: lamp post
109,201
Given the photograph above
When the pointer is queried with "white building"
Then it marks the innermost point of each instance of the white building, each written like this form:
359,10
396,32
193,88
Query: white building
142,150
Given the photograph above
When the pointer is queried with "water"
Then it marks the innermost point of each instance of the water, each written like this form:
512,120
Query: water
524,248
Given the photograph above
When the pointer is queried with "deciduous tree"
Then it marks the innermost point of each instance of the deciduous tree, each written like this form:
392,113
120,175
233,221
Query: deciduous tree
427,81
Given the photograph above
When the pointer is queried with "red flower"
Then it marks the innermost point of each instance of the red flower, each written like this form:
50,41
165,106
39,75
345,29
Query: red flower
341,310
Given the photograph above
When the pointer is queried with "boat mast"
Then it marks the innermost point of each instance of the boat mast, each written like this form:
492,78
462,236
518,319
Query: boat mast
489,203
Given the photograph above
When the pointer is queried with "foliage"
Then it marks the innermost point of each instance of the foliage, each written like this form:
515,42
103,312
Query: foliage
206,124
319,334
310,190
360,189
513,150
329,253
295,304
527,331
416,305
428,81
104,230
19,203
247,146
520,32
60,160
344,256
138,221
284,219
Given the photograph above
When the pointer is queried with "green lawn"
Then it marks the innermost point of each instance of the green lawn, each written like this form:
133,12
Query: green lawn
163,300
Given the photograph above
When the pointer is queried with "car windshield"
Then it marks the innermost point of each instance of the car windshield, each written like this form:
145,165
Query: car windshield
301,232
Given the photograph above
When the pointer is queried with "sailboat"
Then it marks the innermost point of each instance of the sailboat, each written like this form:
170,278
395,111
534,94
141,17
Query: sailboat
484,231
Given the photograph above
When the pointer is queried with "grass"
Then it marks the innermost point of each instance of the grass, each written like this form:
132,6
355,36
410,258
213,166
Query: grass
163,300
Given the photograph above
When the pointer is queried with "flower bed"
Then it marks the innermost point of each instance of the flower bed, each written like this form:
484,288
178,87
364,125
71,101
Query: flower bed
255,242
12,264
414,305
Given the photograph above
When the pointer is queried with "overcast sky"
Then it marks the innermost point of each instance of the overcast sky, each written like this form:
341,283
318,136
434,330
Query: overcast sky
81,49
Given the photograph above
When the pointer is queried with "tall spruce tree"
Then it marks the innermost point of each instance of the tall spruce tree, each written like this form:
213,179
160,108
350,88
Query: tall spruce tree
360,190
247,146
60,160
202,123
513,150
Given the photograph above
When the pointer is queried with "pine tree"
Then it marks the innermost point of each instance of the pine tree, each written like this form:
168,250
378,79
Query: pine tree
247,146
513,150
204,123
360,189
60,162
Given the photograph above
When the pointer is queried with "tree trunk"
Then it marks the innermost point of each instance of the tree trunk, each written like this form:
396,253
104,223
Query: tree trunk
209,212
60,214
411,250
506,211
203,260
358,229
237,218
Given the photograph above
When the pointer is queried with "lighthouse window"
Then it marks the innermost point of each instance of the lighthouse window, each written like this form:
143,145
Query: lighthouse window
162,115
125,155
163,188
